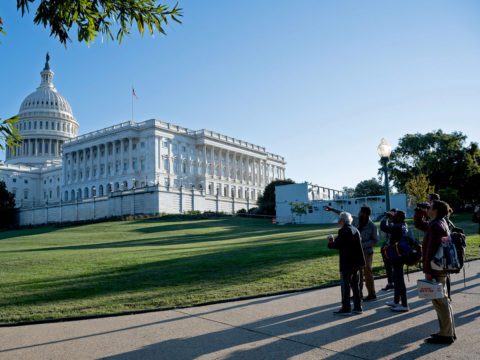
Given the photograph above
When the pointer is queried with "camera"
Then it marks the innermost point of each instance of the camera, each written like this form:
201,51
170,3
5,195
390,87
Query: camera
389,214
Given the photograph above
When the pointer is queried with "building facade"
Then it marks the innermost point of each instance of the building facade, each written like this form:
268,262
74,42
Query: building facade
55,168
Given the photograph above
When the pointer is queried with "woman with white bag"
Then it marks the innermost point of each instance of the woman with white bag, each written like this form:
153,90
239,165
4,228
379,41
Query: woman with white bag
437,231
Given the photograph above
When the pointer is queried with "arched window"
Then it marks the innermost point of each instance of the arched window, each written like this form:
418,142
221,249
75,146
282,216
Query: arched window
94,192
85,191
100,190
58,191
79,194
117,186
125,185
65,196
72,196
109,188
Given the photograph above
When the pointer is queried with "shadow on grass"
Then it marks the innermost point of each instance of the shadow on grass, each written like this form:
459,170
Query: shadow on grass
212,271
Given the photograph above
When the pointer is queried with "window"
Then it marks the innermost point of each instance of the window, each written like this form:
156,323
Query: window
142,144
134,146
46,125
25,181
25,194
50,194
184,168
142,164
134,164
125,164
41,123
50,181
184,149
14,180
165,143
166,163
34,124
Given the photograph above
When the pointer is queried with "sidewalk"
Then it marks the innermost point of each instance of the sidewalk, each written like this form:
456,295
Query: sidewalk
297,326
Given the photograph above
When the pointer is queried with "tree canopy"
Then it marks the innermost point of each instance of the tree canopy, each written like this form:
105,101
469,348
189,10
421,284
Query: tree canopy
266,201
445,159
112,19
371,187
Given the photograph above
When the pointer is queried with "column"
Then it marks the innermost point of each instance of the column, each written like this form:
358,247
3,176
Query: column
105,160
130,154
212,161
228,165
114,156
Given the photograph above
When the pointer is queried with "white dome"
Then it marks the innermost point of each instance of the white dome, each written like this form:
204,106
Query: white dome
45,98
46,122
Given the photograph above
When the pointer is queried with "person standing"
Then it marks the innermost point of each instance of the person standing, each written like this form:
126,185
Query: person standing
369,234
349,244
397,228
476,217
386,261
436,230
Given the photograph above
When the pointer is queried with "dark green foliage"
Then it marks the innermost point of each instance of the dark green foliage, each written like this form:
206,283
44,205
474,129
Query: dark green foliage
7,207
370,187
266,201
446,159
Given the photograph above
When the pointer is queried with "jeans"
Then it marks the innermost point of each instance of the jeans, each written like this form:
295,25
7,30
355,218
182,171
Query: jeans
366,276
350,279
388,269
400,290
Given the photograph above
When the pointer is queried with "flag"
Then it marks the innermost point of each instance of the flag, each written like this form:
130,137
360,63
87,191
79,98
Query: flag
134,94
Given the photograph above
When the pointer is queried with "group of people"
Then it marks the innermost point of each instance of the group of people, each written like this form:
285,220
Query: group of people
356,239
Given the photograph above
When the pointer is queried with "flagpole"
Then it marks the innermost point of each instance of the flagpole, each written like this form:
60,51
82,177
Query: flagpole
132,102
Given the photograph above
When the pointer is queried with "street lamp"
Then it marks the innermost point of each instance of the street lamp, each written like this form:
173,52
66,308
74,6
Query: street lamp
384,151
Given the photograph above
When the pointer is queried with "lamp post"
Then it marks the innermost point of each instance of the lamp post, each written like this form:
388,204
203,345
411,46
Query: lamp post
384,151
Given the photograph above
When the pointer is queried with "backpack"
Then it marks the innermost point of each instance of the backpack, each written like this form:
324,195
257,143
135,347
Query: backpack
407,251
450,256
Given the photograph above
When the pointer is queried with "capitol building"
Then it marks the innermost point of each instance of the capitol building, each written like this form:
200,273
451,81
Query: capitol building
148,167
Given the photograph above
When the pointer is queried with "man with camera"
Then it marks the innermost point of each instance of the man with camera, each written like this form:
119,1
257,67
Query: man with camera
369,235
349,244
394,224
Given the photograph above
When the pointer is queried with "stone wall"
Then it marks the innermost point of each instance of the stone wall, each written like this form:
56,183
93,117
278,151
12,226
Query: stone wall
152,200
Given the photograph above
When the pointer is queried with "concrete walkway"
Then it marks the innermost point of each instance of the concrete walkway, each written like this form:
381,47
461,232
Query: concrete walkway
293,326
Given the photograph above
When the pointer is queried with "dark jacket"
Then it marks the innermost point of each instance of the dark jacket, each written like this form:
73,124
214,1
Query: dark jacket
434,230
395,230
349,244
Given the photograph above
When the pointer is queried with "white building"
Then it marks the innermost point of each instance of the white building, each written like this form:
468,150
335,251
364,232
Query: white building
305,194
152,166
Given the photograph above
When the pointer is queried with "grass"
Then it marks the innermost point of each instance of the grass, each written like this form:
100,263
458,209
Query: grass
111,267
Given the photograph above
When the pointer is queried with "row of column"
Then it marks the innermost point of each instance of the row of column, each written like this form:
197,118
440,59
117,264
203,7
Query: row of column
100,161
36,147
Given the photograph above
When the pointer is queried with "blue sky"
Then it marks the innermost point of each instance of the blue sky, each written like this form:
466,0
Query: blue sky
319,82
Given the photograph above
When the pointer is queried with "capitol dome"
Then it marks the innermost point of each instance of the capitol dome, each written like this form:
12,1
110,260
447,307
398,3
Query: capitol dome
46,121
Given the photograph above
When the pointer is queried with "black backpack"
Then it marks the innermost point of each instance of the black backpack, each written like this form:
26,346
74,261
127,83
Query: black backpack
411,250
459,240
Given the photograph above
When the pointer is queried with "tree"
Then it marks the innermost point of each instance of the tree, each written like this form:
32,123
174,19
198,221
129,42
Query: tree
444,158
418,188
9,133
266,201
348,192
7,206
100,17
368,188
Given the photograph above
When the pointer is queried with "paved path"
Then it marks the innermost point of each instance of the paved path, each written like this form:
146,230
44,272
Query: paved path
296,326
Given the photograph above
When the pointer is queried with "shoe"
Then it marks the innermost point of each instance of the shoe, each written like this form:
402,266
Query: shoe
358,311
438,335
370,298
391,304
400,308
441,340
342,312
388,287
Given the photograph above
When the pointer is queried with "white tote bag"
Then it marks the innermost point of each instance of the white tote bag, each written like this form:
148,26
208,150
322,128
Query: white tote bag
430,289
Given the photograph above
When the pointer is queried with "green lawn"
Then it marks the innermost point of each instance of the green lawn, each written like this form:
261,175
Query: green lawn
111,267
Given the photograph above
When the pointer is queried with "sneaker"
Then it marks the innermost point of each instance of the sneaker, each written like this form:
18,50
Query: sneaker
391,304
358,311
440,340
400,308
388,287
342,312
370,298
